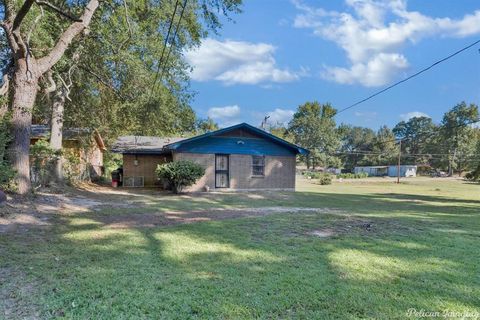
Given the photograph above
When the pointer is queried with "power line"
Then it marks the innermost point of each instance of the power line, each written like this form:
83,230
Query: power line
430,155
432,132
174,37
410,77
164,46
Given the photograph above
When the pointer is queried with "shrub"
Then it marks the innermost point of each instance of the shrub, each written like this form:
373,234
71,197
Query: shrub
7,174
360,175
312,174
324,179
44,158
474,175
180,174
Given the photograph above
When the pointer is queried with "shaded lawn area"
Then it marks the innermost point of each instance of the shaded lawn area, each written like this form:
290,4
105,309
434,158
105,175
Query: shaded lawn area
389,248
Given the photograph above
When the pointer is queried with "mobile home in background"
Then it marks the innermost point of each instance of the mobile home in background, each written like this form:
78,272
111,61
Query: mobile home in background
388,171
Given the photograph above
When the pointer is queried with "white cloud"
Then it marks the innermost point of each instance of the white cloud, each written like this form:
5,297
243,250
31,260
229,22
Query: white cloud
224,112
233,62
373,44
413,114
280,116
377,71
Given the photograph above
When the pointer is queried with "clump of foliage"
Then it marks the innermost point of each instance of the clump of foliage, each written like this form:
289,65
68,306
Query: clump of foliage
325,179
7,174
311,174
474,175
321,177
360,175
111,162
180,174
43,161
72,166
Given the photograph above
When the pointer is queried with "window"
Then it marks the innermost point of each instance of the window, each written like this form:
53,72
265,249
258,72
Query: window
258,166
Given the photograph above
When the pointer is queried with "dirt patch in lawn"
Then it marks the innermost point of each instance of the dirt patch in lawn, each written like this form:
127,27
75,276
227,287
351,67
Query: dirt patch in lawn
177,217
14,293
348,224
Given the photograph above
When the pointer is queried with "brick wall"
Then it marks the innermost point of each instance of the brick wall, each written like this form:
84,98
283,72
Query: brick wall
279,172
145,168
205,160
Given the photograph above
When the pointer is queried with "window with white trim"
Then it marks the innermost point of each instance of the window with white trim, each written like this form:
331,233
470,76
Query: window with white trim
258,166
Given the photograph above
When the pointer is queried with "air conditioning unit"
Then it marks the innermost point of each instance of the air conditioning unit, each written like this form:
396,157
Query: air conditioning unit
134,182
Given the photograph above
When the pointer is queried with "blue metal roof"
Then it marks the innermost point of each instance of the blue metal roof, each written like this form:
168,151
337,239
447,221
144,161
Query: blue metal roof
211,143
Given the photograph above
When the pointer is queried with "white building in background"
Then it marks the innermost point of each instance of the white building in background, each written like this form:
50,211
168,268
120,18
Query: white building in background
390,171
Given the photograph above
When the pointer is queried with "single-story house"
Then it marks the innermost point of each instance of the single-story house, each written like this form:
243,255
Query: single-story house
390,171
84,145
240,157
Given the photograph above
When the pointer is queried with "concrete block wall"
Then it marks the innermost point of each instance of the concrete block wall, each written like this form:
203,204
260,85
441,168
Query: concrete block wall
147,164
205,160
279,172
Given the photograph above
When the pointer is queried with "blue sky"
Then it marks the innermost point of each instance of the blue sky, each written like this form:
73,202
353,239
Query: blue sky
279,54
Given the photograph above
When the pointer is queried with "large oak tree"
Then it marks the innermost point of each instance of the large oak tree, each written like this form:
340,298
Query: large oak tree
27,70
108,58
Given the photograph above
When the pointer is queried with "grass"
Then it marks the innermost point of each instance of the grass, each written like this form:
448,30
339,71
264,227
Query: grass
391,248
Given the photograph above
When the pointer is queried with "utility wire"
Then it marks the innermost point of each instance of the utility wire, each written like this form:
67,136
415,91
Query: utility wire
164,46
432,132
174,37
410,77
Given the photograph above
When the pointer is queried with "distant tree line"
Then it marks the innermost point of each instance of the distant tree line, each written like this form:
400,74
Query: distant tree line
453,145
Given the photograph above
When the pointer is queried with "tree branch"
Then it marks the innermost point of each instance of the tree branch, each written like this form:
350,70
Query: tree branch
129,26
66,88
102,81
57,10
35,22
27,5
53,85
7,27
66,38
9,6
5,85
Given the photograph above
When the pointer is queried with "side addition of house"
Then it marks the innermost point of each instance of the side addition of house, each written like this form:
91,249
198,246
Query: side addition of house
240,157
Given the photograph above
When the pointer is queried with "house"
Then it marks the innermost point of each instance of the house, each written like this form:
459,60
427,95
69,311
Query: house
84,145
240,157
390,171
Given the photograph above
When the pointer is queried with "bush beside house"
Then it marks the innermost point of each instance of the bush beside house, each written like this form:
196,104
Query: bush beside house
180,174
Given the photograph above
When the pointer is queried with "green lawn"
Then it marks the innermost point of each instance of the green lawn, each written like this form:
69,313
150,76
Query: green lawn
389,248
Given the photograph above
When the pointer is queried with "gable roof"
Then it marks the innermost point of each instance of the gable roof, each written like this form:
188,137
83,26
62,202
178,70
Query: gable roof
245,126
142,144
41,131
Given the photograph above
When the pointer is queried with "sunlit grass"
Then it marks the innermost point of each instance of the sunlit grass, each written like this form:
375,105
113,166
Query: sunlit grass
389,248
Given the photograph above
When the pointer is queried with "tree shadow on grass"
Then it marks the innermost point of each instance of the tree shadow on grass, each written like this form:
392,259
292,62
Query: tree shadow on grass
267,266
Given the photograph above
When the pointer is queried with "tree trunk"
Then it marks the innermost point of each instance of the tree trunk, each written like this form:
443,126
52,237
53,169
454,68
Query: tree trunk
25,90
27,72
56,133
450,163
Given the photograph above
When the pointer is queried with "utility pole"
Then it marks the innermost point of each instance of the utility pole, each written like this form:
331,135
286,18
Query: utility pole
264,123
399,159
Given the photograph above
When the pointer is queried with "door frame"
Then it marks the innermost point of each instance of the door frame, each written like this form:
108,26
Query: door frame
222,171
